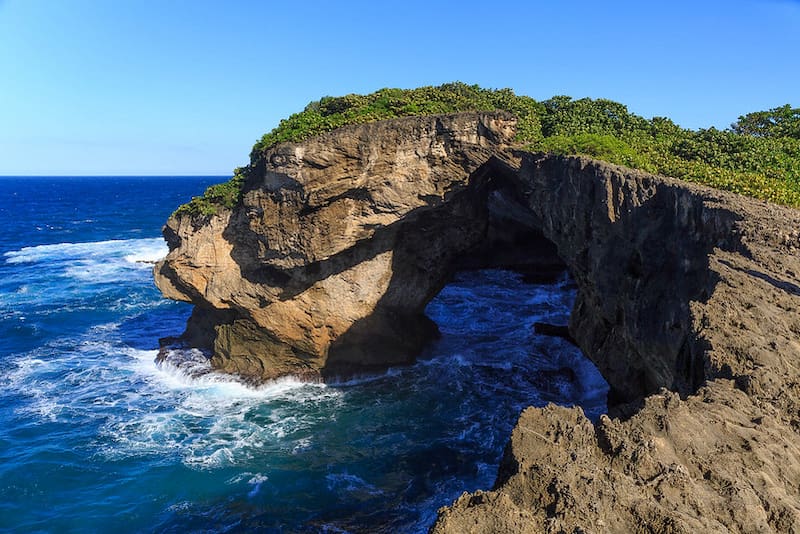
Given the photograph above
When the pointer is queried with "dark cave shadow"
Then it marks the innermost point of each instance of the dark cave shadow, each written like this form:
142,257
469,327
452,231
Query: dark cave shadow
640,257
429,247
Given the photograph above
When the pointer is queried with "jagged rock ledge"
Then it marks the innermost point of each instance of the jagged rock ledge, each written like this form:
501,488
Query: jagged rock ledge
688,302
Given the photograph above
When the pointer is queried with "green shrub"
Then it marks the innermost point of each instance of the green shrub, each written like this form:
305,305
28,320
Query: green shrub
599,146
330,113
225,195
764,166
759,156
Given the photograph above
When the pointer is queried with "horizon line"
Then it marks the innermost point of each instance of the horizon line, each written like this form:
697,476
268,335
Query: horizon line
110,175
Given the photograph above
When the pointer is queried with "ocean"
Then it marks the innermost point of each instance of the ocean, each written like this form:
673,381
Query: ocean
95,437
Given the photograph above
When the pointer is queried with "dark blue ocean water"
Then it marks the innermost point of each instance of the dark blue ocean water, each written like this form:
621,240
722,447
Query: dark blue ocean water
94,437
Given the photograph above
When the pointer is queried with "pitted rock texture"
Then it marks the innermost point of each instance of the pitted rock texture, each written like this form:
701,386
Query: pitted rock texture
718,462
681,287
639,249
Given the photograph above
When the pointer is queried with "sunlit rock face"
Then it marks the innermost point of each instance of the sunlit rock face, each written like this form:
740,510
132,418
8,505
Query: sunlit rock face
339,243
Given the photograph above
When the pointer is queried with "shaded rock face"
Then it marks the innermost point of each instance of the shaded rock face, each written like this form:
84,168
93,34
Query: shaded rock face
638,248
688,302
680,287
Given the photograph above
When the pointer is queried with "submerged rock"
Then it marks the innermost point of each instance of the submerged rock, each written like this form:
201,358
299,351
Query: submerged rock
553,330
688,301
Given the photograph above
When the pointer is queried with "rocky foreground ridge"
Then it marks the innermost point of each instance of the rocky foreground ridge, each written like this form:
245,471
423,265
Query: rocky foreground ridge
688,302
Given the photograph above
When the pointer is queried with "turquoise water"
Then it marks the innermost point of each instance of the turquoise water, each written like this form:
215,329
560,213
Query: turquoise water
95,437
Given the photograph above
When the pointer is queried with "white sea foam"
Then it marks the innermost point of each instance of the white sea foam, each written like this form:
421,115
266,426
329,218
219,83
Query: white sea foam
211,420
206,421
258,478
219,457
150,252
122,406
98,261
180,507
27,376
62,251
190,369
359,380
104,328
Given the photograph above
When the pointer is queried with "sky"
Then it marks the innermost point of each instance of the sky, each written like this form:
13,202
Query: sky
104,87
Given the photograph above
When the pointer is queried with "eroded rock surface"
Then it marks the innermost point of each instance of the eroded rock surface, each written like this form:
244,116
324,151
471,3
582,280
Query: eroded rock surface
338,245
681,287
688,302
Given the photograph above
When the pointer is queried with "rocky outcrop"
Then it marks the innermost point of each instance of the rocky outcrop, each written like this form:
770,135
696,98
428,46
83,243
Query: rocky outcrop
639,249
337,246
688,302
685,289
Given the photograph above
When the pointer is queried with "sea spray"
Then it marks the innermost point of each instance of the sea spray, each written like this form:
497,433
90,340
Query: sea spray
95,435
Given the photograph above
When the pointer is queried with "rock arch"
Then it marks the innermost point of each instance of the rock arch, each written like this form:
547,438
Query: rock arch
327,265
339,242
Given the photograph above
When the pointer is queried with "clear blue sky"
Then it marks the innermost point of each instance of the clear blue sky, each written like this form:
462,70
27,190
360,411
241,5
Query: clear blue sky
186,87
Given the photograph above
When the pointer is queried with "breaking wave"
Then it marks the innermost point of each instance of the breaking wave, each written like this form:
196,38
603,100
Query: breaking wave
190,448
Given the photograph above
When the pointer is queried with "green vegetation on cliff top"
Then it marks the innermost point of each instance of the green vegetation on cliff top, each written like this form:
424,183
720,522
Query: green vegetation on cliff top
759,156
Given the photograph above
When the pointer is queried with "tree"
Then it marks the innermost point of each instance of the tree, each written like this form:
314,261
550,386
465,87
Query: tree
783,121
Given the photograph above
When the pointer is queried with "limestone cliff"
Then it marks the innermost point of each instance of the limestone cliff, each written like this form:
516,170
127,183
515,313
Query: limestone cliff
685,289
336,247
688,302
